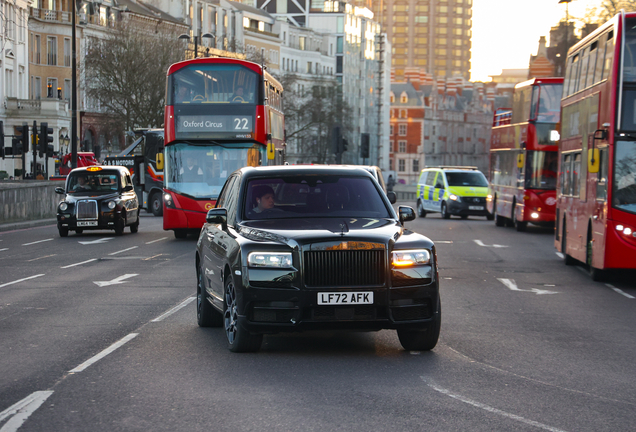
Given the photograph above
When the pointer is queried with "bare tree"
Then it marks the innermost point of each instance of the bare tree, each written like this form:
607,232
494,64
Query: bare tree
606,9
126,71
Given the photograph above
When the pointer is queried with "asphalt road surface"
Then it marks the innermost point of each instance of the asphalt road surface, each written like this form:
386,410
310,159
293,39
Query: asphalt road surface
98,333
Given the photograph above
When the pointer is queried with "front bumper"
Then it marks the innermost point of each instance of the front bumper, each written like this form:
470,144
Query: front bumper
464,208
105,220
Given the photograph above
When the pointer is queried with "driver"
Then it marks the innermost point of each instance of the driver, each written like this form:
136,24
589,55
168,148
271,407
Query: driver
81,184
264,196
238,95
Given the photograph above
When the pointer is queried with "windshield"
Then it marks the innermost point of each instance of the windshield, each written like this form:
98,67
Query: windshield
100,182
200,171
624,196
472,178
313,196
541,169
214,83
550,103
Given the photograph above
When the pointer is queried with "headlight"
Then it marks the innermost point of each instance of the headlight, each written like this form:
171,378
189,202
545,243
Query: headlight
411,258
111,204
489,197
63,206
270,259
454,197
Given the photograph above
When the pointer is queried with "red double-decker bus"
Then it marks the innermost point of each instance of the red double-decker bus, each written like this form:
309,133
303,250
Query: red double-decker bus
523,155
221,114
596,200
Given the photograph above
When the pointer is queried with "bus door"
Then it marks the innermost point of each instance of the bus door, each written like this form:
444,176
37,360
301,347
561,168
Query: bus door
599,214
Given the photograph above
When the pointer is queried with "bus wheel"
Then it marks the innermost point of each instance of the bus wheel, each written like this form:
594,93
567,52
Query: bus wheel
156,204
567,259
597,275
510,222
180,233
420,209
499,220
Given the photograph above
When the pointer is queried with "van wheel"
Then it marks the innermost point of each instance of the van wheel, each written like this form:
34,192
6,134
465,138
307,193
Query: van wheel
420,209
445,213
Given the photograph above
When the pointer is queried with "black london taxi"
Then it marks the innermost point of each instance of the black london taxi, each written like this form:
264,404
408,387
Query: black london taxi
97,198
293,248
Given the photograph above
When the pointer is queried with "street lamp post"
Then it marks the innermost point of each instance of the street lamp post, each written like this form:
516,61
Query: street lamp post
74,86
567,26
196,41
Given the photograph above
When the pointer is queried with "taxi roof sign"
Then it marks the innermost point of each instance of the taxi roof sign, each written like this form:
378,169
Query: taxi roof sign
94,168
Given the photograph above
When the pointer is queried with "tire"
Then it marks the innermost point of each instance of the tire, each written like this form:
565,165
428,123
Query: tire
420,209
567,259
499,220
119,227
135,227
180,233
445,214
422,340
63,231
520,225
79,231
207,315
238,338
156,204
597,275
490,217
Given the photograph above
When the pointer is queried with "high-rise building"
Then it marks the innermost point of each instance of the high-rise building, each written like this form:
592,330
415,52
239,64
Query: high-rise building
431,34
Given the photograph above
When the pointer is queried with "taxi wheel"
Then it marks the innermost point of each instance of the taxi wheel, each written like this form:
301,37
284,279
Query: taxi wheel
134,227
445,213
119,227
238,338
207,316
63,232
420,209
422,340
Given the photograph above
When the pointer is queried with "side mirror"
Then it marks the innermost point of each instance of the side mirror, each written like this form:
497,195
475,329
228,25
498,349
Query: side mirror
217,216
406,214
392,197
59,190
520,161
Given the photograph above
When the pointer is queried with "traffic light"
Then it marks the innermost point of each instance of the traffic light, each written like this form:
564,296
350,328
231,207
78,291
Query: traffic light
345,144
335,139
364,145
46,137
2,138
49,150
24,139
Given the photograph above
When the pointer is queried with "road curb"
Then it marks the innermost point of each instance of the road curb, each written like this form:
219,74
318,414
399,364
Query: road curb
27,224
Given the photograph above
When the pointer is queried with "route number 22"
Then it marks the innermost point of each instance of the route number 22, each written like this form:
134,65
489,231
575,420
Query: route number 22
241,123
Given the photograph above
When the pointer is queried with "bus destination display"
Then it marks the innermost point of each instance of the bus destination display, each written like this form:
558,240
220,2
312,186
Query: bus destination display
239,126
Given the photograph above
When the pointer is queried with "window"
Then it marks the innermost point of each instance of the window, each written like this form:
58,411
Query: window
67,52
51,88
401,165
609,54
576,174
37,88
67,89
402,130
51,43
37,49
403,113
416,165
391,130
583,74
401,146
404,98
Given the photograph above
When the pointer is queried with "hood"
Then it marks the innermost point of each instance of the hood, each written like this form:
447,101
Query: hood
72,198
469,191
301,232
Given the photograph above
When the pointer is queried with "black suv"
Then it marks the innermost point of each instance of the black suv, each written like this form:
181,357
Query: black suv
314,247
98,197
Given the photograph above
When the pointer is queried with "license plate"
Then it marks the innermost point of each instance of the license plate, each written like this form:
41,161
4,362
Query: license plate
475,207
354,298
87,223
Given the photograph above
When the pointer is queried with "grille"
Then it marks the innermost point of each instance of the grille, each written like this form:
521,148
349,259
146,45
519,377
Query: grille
86,210
476,200
340,313
344,268
409,313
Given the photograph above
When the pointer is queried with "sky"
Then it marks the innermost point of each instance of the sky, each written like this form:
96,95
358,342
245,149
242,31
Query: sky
506,32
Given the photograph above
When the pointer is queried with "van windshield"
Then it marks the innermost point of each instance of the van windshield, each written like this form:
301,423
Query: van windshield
474,178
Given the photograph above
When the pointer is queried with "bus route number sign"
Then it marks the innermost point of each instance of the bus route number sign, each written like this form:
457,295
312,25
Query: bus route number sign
221,123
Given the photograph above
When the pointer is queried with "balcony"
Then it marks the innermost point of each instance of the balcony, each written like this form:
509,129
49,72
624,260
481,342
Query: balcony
50,15
36,107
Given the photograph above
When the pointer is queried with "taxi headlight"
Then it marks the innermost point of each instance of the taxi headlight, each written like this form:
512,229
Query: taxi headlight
411,258
454,197
63,206
269,259
111,204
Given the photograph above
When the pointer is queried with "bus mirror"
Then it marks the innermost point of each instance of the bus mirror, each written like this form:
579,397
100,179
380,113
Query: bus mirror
600,134
271,151
593,160
520,160
159,160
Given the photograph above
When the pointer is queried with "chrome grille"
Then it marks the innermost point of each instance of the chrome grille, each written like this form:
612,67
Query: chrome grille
344,268
86,209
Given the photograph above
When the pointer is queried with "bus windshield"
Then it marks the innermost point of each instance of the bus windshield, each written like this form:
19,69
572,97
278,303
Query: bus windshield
474,178
541,169
624,196
214,83
549,103
199,171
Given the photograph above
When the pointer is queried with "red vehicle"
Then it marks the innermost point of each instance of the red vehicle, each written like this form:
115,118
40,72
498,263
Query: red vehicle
221,115
596,194
84,159
523,155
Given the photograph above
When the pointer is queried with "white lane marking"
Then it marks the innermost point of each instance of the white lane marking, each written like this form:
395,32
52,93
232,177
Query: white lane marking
489,408
4,249
20,280
35,242
174,309
442,241
80,263
104,353
118,280
512,285
123,250
560,255
155,241
480,243
22,410
620,291
98,241
45,256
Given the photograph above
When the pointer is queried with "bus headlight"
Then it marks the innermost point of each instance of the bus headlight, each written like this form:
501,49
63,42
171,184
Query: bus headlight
269,259
409,258
167,198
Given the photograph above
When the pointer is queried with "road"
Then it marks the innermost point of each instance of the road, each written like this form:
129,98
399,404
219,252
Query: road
98,333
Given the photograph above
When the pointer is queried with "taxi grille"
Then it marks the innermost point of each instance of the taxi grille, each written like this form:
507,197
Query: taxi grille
346,268
86,209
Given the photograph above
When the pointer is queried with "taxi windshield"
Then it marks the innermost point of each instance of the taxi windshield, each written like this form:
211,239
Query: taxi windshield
100,182
474,178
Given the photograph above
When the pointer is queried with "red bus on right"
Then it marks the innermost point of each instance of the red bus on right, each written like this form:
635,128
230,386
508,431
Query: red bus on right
596,190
